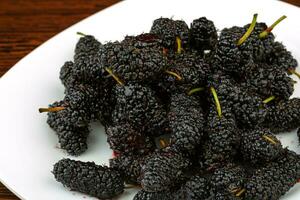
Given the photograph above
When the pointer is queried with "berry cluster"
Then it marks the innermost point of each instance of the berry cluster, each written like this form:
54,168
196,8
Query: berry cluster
190,114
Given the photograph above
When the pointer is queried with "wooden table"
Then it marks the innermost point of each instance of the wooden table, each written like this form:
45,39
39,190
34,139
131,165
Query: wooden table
24,25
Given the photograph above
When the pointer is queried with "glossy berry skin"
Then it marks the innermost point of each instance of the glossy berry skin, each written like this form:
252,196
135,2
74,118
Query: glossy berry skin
191,68
168,29
123,138
223,134
283,116
71,128
281,57
230,57
66,74
89,178
274,179
87,45
161,170
259,146
186,120
203,34
228,178
143,195
195,188
129,166
138,105
269,80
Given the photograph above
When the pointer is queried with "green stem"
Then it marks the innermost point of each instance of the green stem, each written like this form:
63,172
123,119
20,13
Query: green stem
179,47
114,76
267,100
249,31
192,91
81,34
270,28
214,93
178,77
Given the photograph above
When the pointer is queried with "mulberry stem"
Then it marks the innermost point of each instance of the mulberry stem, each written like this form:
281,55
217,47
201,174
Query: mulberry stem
267,100
267,138
235,190
270,28
292,71
162,143
81,34
214,93
242,191
114,76
179,48
249,31
178,77
192,91
52,109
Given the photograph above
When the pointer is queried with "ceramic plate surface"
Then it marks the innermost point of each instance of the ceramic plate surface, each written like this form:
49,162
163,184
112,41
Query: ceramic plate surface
28,146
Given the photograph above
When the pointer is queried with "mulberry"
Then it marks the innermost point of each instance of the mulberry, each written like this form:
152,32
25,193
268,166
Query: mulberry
89,178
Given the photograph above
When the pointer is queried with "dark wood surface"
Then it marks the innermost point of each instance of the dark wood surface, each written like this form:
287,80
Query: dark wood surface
24,25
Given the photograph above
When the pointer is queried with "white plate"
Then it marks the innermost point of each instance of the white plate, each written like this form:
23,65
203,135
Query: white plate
28,146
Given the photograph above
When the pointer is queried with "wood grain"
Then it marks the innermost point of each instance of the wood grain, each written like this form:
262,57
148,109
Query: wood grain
24,25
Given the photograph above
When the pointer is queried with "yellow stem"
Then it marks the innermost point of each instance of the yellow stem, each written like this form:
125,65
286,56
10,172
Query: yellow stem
114,76
235,190
162,143
214,93
242,191
52,109
267,100
179,48
178,77
267,138
294,72
249,31
270,28
192,91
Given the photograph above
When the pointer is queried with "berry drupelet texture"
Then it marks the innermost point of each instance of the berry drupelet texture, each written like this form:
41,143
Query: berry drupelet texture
230,57
143,195
129,166
274,179
89,178
186,120
123,138
138,105
267,80
162,170
259,146
203,34
195,188
283,116
87,44
72,130
169,29
66,74
281,58
229,178
191,71
223,134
